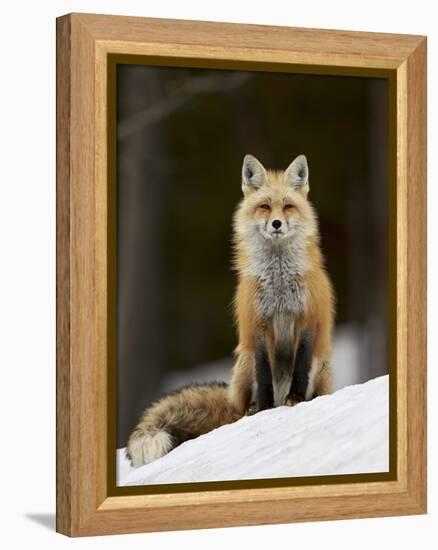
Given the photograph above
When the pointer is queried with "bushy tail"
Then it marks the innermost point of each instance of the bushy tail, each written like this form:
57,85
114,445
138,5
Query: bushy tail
177,417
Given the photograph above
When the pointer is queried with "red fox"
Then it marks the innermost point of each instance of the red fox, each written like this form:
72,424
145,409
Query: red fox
284,311
284,304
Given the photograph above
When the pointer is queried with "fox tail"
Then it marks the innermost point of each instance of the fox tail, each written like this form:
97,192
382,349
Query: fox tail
177,417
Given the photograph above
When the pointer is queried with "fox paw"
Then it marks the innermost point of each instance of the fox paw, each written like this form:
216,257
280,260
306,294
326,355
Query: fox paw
293,399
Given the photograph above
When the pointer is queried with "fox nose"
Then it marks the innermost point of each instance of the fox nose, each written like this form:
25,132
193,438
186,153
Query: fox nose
276,224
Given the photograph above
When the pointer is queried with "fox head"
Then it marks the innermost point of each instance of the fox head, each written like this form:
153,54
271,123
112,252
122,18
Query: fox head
275,206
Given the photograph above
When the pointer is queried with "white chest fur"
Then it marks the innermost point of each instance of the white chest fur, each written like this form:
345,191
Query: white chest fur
278,270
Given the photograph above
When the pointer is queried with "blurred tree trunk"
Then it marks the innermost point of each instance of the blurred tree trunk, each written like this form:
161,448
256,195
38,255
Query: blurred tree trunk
139,288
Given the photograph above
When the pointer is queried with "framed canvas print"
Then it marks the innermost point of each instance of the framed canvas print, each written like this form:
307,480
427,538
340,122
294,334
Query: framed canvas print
241,274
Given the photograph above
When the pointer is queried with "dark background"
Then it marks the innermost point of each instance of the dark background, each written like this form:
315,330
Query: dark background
181,137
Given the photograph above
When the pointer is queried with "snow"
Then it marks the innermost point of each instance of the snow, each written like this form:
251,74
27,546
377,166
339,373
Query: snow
343,433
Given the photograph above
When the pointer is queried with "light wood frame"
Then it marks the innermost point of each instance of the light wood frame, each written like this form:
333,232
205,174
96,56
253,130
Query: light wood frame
84,42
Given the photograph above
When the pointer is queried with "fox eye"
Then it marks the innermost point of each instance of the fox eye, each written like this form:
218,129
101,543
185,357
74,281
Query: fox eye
265,206
288,206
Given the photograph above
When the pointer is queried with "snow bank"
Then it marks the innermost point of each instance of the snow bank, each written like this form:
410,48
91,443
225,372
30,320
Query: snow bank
343,433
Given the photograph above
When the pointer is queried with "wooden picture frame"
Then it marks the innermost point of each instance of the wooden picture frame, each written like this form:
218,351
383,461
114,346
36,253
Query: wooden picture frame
85,506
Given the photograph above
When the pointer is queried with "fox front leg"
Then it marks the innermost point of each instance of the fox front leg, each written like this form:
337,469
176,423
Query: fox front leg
265,393
300,379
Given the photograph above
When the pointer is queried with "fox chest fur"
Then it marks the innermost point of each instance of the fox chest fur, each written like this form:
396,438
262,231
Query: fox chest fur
282,292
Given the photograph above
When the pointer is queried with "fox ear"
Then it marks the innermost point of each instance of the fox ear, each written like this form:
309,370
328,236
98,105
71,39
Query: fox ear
253,174
297,174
